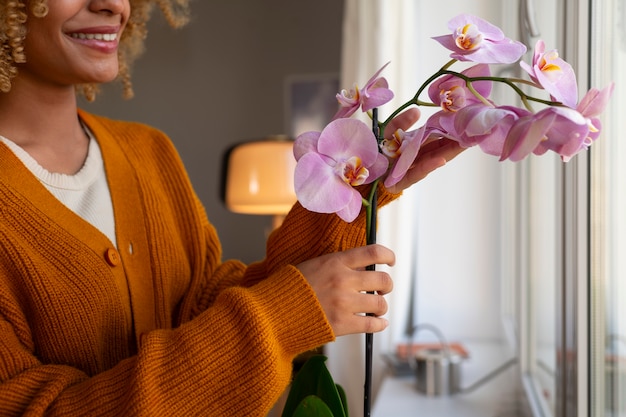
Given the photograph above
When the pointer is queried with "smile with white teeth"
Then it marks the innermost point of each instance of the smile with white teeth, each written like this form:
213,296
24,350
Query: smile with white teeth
108,37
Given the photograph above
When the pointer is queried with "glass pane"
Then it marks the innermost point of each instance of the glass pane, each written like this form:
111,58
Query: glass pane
542,278
608,216
539,190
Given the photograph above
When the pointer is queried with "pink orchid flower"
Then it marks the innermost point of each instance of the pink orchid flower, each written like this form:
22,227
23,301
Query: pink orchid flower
332,162
561,129
569,134
375,93
475,39
553,74
451,93
486,126
592,104
403,147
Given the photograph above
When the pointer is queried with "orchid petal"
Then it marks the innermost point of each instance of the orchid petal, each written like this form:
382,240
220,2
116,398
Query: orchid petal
497,53
373,79
375,98
352,209
486,126
451,94
490,30
478,119
569,132
480,70
375,93
410,148
316,186
525,135
349,102
594,102
345,112
553,74
378,168
475,39
305,143
344,138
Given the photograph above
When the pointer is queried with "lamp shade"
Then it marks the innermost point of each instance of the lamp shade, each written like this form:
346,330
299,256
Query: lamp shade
259,177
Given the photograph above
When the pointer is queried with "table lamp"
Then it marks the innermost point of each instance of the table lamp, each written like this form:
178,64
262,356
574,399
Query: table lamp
259,177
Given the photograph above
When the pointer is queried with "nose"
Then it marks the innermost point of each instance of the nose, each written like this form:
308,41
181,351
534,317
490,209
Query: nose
109,6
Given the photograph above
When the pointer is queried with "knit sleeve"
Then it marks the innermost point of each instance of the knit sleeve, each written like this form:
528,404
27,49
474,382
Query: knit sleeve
305,235
302,236
229,360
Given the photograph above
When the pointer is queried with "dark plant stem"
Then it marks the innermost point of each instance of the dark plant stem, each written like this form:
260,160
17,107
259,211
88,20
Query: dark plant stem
369,337
511,82
370,231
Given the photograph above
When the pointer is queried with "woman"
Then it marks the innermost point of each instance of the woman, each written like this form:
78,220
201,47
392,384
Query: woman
114,299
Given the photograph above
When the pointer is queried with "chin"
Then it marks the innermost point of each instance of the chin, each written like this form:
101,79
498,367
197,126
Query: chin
103,73
100,78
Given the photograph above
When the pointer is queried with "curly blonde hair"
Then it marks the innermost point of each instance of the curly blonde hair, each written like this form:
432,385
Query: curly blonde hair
14,15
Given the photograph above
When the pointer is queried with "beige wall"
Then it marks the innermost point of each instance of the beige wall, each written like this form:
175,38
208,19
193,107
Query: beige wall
220,81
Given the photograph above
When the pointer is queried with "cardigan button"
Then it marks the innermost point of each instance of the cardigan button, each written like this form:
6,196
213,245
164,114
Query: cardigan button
112,257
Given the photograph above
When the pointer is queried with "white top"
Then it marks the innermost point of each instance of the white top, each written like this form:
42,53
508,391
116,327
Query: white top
86,193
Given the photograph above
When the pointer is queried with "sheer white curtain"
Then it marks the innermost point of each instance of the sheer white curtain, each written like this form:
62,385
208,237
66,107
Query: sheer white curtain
455,209
374,33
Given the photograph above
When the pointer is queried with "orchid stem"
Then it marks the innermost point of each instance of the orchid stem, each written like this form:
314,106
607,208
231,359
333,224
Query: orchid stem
511,82
370,236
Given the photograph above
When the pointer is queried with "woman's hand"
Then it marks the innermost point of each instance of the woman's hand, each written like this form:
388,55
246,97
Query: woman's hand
340,282
433,153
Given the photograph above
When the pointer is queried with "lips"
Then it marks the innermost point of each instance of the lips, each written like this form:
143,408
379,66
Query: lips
103,38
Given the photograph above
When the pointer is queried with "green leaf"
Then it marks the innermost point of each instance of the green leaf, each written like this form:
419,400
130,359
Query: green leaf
314,379
344,399
312,406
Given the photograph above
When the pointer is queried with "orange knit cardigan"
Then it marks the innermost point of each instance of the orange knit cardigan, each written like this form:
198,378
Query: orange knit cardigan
160,325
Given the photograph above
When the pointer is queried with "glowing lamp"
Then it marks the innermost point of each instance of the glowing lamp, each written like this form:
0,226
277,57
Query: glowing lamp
259,177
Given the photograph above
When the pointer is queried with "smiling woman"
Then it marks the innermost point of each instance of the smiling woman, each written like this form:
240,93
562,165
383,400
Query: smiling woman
114,297
16,14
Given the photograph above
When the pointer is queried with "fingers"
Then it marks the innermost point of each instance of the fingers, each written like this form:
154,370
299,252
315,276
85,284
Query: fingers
355,294
362,256
373,281
402,121
347,291
356,320
446,148
361,324
432,155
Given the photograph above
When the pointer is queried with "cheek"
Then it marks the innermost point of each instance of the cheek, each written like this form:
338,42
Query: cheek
40,34
38,51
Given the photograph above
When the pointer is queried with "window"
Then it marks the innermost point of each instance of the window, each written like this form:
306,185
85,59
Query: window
608,216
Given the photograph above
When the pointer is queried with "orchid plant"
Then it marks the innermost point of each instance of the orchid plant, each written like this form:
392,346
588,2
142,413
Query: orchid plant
348,153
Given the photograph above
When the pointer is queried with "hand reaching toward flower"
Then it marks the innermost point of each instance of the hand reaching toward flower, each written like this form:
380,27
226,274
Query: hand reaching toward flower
433,153
340,280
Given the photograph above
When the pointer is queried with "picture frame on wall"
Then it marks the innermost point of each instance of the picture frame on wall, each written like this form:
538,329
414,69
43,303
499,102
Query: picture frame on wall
310,102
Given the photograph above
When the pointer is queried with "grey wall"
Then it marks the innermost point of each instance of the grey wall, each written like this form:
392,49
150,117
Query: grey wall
219,81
